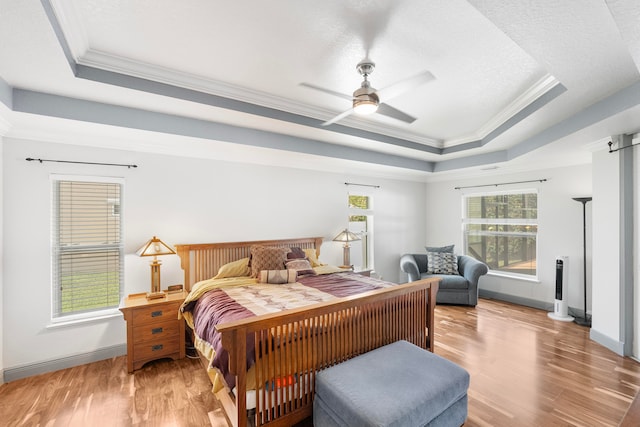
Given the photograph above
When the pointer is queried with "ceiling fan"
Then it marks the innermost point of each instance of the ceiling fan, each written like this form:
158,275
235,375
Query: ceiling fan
366,99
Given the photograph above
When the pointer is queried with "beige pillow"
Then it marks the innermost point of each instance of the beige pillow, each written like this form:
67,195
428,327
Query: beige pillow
278,277
267,258
312,257
302,266
239,268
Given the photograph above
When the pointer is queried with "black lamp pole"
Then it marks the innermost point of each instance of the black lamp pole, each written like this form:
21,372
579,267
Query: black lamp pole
585,321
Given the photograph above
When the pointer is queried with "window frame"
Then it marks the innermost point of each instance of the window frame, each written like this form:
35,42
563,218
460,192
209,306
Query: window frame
366,243
503,221
115,208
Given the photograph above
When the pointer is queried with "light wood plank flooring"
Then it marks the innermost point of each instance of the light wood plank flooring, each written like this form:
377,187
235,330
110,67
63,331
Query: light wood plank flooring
526,370
529,370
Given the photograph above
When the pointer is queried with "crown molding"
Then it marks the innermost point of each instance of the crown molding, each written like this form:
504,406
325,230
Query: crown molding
5,125
71,25
104,61
541,87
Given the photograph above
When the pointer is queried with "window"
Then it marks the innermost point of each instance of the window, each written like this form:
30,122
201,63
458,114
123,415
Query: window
87,247
361,223
501,230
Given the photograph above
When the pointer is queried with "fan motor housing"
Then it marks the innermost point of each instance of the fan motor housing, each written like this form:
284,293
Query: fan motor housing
365,68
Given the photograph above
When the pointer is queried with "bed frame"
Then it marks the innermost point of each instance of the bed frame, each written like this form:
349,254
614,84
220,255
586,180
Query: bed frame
294,345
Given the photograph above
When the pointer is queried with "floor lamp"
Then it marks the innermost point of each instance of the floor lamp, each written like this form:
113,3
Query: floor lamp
584,321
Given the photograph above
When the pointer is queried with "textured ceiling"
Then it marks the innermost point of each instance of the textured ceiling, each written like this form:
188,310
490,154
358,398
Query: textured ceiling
510,77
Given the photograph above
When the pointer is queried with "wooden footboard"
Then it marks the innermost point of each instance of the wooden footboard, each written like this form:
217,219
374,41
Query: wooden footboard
292,346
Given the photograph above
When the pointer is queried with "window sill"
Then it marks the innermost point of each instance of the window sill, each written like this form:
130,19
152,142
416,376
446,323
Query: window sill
77,320
513,276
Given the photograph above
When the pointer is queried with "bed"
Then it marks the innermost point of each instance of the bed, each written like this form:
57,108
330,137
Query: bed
262,344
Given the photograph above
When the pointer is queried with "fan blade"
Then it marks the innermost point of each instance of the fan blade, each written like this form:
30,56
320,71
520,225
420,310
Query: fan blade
330,92
338,117
398,88
389,111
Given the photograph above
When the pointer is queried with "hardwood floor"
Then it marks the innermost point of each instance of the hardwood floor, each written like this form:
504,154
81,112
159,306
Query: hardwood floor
526,370
162,393
529,370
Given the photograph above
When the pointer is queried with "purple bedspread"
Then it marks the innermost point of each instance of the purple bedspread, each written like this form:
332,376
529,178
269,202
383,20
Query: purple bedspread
216,307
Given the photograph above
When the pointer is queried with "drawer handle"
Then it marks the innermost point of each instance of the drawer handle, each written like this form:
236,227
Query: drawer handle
156,331
156,347
156,313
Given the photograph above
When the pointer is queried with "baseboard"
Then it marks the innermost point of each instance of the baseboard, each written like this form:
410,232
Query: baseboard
527,302
542,305
606,341
25,371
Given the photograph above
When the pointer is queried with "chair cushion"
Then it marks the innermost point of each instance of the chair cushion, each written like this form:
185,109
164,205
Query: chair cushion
449,281
399,384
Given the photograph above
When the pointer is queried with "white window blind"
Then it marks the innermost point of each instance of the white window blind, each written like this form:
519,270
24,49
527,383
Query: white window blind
87,246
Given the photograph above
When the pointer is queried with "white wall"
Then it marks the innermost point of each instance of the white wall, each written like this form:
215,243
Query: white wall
1,262
636,254
559,230
181,200
606,272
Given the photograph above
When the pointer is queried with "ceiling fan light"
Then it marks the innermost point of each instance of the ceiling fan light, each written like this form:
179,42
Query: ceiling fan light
364,106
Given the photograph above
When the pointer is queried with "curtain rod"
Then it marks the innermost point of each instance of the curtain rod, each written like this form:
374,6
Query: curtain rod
29,159
610,143
362,185
502,183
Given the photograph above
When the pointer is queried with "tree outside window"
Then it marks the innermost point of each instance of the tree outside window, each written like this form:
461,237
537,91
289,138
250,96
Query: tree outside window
502,230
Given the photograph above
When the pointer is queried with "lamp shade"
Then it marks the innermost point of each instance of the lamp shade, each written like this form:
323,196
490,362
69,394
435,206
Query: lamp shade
155,247
346,236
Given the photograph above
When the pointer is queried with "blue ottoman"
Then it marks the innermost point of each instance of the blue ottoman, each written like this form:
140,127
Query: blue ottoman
399,384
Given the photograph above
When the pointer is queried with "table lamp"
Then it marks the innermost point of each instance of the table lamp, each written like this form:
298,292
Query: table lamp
155,247
346,236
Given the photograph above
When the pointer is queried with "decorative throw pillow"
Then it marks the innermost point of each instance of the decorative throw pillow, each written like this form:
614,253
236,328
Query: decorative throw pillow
296,253
267,258
442,263
302,266
278,277
237,268
312,257
448,249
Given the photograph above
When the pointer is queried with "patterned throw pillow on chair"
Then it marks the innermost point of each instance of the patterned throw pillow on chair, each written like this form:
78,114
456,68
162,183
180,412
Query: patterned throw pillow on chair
442,263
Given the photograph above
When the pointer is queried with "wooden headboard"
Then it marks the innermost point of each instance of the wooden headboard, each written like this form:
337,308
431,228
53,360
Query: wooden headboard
201,261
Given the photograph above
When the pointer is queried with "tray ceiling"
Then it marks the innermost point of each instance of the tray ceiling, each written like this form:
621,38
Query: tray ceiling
508,78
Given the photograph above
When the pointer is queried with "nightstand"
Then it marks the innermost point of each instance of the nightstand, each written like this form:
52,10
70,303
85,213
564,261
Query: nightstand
153,328
362,271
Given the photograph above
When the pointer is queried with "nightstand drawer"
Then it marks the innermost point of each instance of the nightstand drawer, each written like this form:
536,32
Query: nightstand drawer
156,331
156,349
155,313
153,328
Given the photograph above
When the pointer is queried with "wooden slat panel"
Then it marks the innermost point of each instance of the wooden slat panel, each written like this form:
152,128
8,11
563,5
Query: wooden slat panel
382,317
202,261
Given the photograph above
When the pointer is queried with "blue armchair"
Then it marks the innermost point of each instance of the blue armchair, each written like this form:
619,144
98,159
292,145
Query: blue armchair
454,289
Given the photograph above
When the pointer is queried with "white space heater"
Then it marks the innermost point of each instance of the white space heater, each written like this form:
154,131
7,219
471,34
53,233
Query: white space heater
561,303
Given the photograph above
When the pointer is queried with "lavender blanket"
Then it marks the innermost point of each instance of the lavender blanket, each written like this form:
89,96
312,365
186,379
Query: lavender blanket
223,305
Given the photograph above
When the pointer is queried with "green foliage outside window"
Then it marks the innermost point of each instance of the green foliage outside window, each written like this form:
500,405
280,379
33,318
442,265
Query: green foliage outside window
358,202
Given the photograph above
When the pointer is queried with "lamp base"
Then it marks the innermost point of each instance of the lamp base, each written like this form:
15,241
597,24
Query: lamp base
155,295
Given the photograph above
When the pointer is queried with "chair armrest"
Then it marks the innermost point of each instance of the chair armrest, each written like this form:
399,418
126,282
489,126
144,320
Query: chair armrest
409,265
471,269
